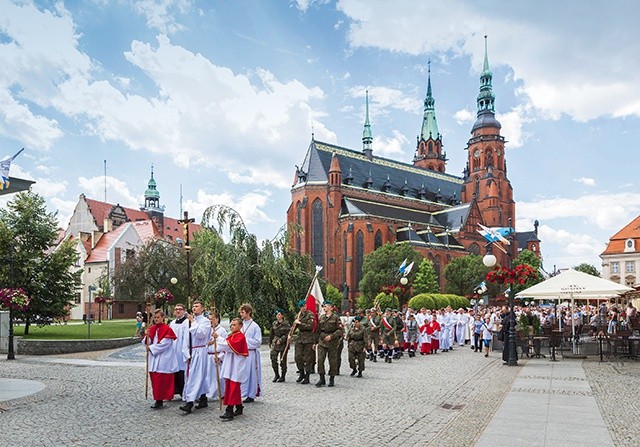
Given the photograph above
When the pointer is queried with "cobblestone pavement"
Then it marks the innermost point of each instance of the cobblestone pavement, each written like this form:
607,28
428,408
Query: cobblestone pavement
444,400
616,387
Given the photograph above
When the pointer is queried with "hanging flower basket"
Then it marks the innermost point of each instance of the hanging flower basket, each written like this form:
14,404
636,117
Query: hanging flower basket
14,299
162,297
100,299
518,275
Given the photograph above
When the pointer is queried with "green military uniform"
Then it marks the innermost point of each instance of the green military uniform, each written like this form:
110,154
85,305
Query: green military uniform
356,344
278,342
328,325
399,336
388,335
375,324
304,355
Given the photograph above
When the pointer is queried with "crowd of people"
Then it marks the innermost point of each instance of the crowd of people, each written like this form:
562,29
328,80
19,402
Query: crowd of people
196,358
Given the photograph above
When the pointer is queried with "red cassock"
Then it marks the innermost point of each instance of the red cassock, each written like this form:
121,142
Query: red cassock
235,361
162,361
432,328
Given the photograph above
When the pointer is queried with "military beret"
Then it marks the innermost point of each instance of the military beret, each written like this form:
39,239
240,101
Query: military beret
327,303
301,303
279,311
388,309
358,318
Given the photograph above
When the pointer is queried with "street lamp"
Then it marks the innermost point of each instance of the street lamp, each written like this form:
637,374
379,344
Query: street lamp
174,280
404,281
92,289
11,355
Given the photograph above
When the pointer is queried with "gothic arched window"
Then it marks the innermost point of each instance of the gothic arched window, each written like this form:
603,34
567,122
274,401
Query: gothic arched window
298,230
378,240
359,256
317,233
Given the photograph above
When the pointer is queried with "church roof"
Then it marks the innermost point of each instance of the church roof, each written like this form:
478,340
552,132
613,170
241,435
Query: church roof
523,237
436,186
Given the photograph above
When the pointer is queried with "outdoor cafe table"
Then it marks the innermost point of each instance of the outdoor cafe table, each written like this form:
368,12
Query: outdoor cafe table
632,340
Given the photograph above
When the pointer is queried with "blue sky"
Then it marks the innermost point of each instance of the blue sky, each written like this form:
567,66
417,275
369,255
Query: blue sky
222,96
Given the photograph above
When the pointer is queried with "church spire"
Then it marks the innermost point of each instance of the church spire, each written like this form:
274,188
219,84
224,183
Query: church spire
429,123
367,136
152,196
486,98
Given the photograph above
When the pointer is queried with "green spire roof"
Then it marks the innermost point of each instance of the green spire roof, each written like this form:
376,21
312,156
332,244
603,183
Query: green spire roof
151,192
429,123
367,136
486,98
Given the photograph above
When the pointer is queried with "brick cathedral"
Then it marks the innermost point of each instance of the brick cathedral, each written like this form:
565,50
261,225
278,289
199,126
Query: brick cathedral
350,202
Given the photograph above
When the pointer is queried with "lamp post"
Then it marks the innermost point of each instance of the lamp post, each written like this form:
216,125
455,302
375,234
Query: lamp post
11,355
92,289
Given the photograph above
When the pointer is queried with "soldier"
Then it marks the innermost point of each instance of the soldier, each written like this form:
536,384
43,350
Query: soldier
329,336
412,335
356,343
375,322
388,334
366,324
304,343
277,342
399,329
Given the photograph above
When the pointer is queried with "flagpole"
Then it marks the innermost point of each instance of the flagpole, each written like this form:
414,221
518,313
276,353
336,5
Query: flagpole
293,327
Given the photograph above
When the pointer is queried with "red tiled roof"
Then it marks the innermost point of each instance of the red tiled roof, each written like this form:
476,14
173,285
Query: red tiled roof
146,229
99,252
173,229
100,211
617,241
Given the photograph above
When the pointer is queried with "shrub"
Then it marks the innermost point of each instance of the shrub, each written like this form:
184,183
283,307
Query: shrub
441,300
422,300
364,302
384,300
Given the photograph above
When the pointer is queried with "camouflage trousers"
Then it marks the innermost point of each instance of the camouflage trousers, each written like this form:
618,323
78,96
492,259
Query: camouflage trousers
274,360
356,359
304,356
331,353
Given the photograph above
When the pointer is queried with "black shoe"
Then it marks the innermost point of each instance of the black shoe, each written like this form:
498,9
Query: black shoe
228,413
158,404
375,359
321,382
306,379
359,374
238,411
353,372
300,377
281,379
202,403
276,378
331,381
249,400
187,408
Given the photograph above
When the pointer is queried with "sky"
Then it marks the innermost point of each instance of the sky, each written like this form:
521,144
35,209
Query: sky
222,98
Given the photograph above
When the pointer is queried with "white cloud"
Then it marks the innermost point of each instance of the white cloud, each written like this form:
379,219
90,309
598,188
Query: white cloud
117,191
585,181
559,74
249,206
160,14
303,5
512,125
381,98
465,116
388,147
577,248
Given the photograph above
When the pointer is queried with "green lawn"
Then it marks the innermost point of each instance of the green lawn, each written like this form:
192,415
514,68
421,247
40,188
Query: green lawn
75,331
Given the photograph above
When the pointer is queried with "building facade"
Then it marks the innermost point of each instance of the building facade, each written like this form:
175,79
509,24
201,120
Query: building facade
621,258
346,203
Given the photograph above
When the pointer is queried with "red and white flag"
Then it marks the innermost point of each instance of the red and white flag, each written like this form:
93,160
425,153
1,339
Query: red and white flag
315,300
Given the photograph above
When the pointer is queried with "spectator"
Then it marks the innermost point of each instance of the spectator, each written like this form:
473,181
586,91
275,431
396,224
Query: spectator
139,321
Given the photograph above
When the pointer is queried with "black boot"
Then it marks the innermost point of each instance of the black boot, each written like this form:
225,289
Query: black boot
353,372
276,377
238,411
360,374
374,358
331,381
202,402
301,376
321,382
284,372
158,404
306,379
228,413
187,408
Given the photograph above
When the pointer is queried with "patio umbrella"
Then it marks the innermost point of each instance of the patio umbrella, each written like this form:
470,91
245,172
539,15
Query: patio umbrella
573,284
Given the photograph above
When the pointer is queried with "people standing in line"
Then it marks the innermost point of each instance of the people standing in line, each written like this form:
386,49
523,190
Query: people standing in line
180,327
218,334
252,387
356,339
198,363
329,335
277,343
462,322
162,361
305,342
235,369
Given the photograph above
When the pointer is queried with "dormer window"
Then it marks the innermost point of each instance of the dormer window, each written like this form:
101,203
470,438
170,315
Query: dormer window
629,245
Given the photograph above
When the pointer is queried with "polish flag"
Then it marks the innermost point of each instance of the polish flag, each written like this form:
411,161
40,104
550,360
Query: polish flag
314,301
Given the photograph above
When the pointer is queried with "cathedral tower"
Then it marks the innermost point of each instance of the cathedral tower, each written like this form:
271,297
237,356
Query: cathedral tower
485,177
429,153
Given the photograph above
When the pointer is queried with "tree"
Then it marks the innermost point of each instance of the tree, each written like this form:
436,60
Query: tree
44,270
380,268
464,274
527,257
588,269
426,278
